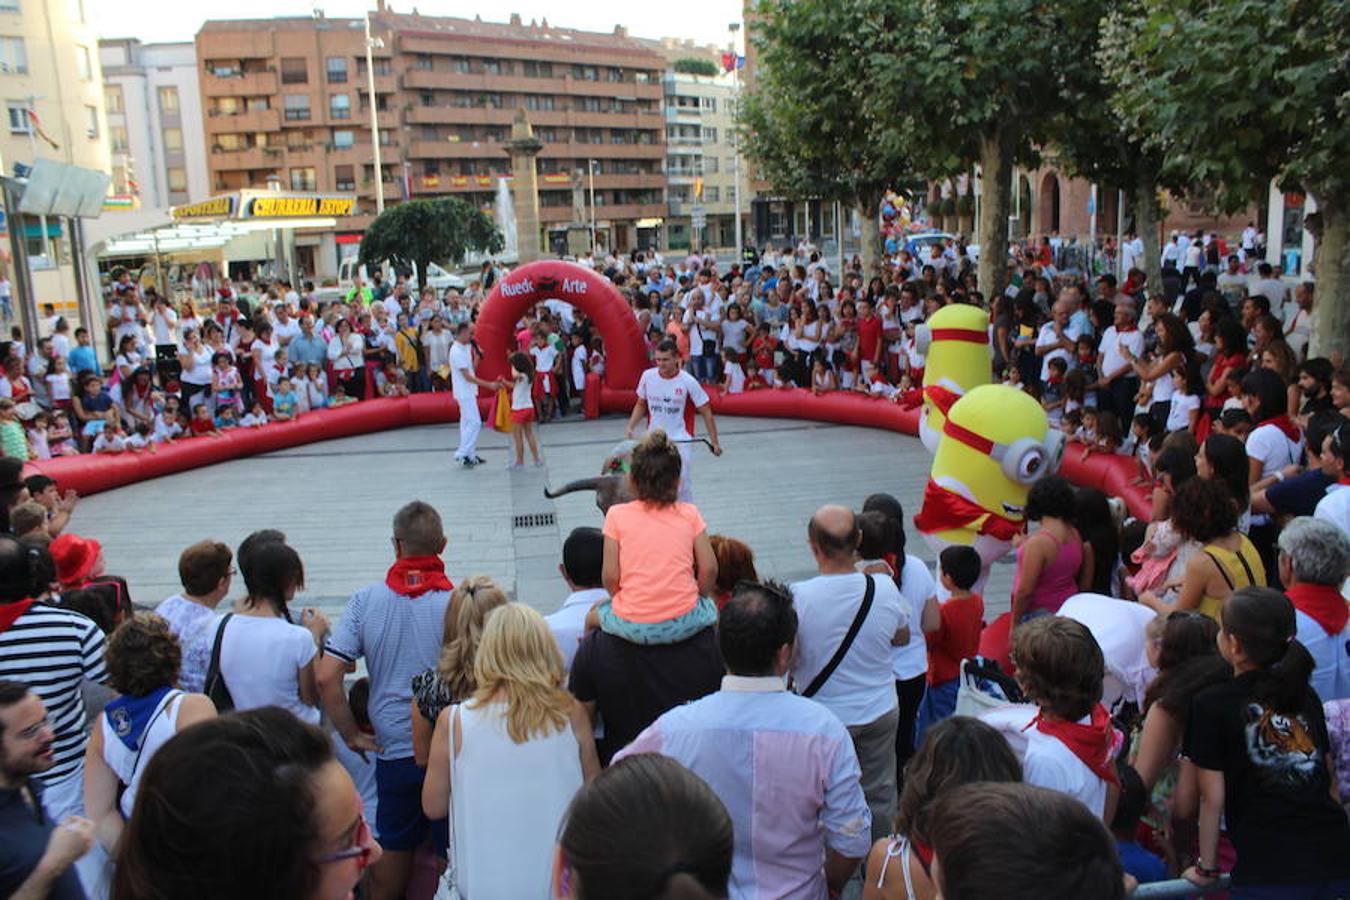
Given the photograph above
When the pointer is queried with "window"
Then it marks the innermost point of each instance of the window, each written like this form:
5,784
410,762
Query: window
300,140
84,64
297,107
344,178
423,63
303,179
18,118
709,135
117,137
168,101
613,74
112,98
538,69
492,67
9,5
461,65
431,133
91,121
173,140
230,142
585,73
342,140
538,101
711,194
708,103
256,104
13,56
340,106
383,67
294,70
710,165
589,104
337,69
428,99
177,178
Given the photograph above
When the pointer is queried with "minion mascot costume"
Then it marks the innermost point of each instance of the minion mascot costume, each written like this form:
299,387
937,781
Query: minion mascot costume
995,444
955,341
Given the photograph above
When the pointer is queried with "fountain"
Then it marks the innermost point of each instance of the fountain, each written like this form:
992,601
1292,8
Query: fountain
506,221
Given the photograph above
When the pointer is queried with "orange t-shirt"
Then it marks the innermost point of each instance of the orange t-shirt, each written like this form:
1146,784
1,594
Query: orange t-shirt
656,559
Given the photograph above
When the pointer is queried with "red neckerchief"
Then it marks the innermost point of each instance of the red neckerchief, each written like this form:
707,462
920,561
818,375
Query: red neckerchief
924,852
945,510
941,397
1323,603
1094,744
10,612
1285,424
413,576
1127,329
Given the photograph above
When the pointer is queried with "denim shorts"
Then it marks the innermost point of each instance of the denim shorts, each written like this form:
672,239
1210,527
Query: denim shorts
399,820
667,631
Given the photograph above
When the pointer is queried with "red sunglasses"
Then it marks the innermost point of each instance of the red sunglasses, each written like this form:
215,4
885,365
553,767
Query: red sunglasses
360,851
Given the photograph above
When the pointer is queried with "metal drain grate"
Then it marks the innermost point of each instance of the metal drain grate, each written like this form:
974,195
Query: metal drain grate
534,520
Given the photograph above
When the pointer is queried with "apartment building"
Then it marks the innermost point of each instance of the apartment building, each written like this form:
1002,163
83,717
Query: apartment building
701,165
155,125
53,98
288,98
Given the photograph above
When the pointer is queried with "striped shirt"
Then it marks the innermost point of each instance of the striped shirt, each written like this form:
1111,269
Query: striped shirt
53,651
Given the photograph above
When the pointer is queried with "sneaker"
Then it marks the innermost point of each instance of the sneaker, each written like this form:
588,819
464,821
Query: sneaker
467,463
478,461
538,463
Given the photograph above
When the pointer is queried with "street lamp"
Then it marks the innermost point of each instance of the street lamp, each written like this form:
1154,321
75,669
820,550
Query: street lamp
373,44
735,28
590,171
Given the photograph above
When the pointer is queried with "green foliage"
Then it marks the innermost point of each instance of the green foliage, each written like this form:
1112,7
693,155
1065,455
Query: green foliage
801,121
423,231
1236,92
948,206
696,66
933,208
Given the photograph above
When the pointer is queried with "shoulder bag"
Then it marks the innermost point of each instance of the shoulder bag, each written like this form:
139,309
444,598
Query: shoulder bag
863,609
215,681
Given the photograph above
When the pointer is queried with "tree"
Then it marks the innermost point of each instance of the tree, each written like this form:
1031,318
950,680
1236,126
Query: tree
418,232
801,122
691,65
977,81
1239,92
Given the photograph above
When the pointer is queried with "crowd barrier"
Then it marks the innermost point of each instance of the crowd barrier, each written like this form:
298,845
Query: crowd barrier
90,474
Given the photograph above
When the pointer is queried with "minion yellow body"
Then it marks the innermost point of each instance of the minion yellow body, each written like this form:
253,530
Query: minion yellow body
995,444
958,359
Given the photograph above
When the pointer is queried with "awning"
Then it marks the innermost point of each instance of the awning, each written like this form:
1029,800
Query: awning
269,205
180,236
650,223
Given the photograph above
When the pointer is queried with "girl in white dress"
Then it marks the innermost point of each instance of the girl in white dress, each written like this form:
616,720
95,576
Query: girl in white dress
505,764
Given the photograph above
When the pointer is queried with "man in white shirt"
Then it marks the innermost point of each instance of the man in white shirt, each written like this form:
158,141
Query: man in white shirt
285,328
1335,506
1118,381
860,689
1057,338
1249,239
1314,561
465,384
582,560
664,395
1171,253
1232,283
1265,284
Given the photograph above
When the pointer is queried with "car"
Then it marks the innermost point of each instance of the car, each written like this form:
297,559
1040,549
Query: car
918,244
351,268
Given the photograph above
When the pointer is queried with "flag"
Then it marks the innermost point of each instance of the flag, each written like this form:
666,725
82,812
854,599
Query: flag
732,61
41,132
698,188
405,184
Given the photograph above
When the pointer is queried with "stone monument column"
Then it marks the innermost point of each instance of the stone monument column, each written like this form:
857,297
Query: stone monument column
523,147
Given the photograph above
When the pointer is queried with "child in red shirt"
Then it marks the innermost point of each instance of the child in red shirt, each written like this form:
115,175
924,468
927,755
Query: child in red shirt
957,636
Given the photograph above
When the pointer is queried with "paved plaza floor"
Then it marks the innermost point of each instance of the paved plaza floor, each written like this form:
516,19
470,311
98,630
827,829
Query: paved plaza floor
335,500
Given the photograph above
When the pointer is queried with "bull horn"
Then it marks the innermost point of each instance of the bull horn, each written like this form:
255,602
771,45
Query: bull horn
581,484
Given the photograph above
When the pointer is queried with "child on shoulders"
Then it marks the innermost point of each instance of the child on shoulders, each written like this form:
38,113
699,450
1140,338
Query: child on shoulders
659,566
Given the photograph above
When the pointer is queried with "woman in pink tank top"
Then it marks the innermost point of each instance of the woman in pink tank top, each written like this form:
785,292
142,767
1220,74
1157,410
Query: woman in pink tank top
1053,564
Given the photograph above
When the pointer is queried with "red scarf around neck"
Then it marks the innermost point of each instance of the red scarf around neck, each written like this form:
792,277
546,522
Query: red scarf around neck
944,510
10,612
1094,744
413,576
1285,424
1322,603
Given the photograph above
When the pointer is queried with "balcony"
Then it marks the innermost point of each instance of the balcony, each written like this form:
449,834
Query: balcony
687,114
252,84
252,158
575,150
249,122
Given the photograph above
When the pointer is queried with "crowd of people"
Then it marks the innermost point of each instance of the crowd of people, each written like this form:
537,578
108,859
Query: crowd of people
1165,698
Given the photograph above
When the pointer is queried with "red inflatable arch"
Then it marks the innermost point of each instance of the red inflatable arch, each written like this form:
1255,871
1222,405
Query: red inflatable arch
589,291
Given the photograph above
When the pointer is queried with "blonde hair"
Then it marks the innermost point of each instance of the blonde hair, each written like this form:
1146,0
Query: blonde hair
519,659
469,606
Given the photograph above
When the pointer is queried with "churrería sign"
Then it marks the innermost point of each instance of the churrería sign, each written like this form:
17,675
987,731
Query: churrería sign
268,205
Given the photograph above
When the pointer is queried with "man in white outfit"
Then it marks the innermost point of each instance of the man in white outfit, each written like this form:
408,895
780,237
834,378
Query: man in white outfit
665,396
464,384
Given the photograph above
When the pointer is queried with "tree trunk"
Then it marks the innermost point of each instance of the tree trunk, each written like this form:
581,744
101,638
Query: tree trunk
996,203
868,209
1146,226
1331,328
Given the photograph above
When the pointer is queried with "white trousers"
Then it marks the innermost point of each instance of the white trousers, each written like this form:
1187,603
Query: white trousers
686,473
470,426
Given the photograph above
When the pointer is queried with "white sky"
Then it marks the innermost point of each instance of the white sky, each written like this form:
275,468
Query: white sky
156,20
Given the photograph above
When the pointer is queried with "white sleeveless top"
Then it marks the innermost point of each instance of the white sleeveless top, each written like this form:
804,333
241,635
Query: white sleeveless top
506,803
124,762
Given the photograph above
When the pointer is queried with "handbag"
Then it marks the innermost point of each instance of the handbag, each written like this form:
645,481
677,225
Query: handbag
501,420
215,681
863,609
